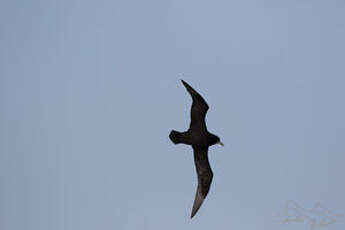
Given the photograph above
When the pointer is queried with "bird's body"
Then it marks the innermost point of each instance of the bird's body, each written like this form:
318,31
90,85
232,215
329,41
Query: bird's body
193,137
200,139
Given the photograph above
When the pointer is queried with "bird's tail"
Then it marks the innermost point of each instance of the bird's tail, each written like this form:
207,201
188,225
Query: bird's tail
175,137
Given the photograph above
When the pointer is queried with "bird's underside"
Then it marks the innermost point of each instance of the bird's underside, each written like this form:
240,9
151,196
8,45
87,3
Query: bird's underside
200,139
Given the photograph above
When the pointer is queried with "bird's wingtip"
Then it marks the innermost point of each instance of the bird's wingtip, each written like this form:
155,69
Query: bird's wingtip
185,84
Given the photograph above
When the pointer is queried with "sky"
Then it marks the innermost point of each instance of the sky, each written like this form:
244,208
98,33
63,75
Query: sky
89,91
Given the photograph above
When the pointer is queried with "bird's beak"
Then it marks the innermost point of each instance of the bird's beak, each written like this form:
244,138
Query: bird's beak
221,143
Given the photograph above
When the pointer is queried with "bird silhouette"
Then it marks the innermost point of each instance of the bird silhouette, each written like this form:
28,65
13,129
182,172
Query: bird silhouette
200,139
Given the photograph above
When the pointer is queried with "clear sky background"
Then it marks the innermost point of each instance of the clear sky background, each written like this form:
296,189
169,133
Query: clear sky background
89,91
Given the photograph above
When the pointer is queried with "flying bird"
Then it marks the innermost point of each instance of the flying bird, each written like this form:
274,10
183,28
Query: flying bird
200,139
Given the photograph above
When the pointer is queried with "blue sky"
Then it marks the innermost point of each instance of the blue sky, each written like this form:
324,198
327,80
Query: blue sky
89,92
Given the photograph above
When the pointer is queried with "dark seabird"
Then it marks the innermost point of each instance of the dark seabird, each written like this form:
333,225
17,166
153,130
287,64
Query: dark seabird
200,139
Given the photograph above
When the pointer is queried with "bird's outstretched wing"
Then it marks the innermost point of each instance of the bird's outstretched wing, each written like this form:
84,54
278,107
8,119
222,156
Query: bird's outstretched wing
199,109
205,176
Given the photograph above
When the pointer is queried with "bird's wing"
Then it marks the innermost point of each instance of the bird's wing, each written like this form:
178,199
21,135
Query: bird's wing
199,109
205,176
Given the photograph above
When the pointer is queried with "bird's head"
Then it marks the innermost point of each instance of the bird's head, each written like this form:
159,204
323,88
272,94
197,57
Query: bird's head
216,140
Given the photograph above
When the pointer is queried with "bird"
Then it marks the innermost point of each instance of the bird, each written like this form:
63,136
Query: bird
200,139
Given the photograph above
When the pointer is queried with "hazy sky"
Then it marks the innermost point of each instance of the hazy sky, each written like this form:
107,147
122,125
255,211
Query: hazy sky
89,91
